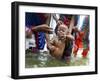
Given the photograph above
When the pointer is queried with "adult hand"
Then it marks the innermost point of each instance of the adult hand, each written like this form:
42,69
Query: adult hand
28,33
75,29
59,22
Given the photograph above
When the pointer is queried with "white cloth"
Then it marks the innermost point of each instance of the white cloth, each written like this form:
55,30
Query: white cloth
30,42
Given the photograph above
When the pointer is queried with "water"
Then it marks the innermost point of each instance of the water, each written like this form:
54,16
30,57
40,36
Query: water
44,59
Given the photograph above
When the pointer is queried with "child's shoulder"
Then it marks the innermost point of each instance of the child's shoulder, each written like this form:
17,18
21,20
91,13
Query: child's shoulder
54,38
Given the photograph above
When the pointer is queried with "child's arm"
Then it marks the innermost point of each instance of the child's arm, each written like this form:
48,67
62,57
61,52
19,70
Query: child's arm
51,44
56,48
50,47
71,37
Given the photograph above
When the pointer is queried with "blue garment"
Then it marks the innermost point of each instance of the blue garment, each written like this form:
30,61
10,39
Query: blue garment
34,19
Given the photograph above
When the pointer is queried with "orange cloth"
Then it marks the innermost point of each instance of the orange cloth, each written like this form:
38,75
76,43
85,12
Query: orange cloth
78,40
85,52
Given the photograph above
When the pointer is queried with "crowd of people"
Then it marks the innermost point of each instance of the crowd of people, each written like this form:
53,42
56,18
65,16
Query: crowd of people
67,38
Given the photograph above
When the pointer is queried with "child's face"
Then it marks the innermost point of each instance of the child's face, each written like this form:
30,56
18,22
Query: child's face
62,31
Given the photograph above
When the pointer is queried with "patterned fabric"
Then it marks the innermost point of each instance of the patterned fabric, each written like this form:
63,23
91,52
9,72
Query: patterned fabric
34,19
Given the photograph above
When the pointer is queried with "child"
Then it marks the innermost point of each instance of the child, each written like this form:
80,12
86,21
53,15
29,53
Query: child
79,43
57,45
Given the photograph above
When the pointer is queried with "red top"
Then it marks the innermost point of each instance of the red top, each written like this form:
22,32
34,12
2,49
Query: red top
78,40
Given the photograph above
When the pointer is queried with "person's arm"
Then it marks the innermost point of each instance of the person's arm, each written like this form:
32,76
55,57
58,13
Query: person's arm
48,23
71,37
42,28
28,33
55,17
48,19
59,22
50,45
71,24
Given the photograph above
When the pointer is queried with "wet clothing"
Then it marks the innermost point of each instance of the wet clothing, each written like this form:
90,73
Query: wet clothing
35,19
68,50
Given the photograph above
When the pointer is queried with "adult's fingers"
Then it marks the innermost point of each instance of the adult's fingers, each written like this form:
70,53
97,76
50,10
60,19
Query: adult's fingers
59,22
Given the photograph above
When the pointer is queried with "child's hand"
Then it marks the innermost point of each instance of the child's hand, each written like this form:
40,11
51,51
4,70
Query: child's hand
63,37
70,37
50,47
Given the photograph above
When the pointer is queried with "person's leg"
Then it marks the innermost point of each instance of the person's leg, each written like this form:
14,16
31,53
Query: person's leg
75,50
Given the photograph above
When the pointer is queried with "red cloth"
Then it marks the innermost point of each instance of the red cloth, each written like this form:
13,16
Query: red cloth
78,40
85,52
